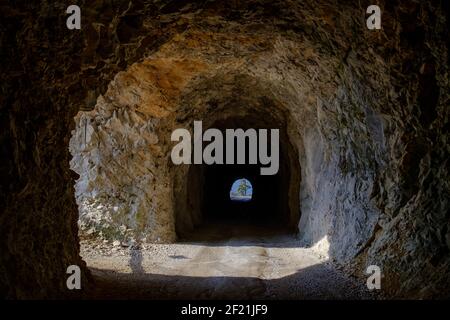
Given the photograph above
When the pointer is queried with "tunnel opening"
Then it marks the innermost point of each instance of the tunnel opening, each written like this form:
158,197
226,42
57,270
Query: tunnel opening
274,206
241,190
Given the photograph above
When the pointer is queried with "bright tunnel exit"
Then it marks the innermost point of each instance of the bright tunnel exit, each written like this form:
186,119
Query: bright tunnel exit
241,190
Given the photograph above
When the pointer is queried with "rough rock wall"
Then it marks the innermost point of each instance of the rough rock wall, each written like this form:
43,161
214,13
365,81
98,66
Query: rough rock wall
38,216
367,111
48,74
119,153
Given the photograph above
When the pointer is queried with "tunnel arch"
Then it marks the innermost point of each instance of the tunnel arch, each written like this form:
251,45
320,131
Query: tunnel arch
195,201
149,100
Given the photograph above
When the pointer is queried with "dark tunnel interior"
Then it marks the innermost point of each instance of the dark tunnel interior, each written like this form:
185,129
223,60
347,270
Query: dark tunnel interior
269,209
265,207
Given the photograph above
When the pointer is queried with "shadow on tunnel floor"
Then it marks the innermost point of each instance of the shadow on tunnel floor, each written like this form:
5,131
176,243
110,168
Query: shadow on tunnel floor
317,282
238,261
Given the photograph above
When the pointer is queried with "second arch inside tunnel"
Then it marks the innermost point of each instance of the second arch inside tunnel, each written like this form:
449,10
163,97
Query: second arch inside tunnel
274,205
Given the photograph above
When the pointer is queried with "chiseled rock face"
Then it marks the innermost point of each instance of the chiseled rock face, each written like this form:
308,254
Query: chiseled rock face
367,113
119,185
124,179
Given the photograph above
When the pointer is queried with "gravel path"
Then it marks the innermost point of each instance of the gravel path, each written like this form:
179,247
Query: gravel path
256,267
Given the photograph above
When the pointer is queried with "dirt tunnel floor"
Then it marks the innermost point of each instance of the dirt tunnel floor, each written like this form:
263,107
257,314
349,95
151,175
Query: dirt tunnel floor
265,265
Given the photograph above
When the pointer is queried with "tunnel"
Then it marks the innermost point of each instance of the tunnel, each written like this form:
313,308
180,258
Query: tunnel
271,205
88,180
